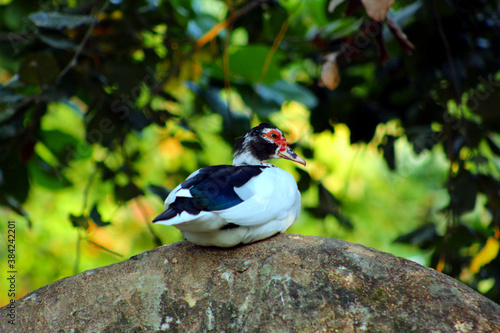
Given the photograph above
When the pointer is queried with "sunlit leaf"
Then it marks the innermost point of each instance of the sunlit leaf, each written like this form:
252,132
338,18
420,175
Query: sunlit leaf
247,63
486,255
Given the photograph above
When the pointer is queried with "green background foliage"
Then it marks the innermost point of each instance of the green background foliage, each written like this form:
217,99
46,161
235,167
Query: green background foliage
105,106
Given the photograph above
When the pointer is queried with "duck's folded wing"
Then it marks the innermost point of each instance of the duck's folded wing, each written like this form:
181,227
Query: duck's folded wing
205,192
273,195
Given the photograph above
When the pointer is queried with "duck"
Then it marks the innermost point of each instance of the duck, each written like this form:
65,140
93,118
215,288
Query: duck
248,201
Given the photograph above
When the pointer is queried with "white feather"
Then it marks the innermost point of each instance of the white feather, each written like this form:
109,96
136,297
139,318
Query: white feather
202,222
183,192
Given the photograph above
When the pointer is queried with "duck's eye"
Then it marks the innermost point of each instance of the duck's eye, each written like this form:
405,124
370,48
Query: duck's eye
273,136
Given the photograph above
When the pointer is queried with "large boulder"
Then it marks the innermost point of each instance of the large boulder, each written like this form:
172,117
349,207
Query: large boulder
288,283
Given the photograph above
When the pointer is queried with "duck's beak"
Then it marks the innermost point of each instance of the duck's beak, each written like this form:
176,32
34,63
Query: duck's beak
288,154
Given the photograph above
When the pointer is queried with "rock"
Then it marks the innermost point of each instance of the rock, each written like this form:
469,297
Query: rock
288,283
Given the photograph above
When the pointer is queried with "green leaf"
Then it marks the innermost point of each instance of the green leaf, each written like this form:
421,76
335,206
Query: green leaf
64,146
96,217
317,11
58,21
248,62
47,175
38,69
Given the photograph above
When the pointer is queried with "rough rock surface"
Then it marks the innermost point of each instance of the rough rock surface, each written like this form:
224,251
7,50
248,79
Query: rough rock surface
289,283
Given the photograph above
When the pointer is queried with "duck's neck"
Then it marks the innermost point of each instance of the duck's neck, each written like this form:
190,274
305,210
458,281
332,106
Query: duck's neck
245,157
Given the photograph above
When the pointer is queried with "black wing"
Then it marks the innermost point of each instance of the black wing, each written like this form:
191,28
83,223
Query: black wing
212,189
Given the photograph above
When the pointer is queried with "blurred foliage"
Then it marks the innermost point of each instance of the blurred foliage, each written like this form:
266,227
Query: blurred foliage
106,105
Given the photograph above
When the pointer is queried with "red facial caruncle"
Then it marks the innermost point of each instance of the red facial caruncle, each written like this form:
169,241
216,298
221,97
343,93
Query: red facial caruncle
277,138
